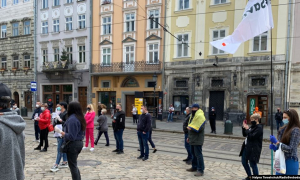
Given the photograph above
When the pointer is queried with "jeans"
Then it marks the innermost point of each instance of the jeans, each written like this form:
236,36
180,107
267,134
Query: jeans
279,124
59,154
187,147
50,109
253,165
119,139
170,117
292,167
150,139
89,133
44,137
143,141
99,135
74,149
36,130
198,161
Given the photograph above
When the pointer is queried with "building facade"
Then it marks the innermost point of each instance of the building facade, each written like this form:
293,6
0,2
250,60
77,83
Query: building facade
128,52
233,84
63,45
16,49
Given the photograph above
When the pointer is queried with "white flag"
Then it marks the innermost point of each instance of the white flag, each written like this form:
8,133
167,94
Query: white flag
257,19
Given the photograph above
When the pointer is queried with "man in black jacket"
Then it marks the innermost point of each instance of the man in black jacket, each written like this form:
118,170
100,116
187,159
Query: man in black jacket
187,113
212,120
278,118
35,115
118,127
50,105
143,128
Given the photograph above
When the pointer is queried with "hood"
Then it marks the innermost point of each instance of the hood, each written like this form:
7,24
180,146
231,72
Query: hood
13,121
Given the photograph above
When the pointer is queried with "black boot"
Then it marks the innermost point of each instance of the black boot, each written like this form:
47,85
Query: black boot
43,150
95,143
37,148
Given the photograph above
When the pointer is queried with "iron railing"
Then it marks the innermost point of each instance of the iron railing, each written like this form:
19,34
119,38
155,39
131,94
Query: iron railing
59,66
135,66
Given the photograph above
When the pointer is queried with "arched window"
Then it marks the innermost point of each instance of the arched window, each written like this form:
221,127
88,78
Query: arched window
130,82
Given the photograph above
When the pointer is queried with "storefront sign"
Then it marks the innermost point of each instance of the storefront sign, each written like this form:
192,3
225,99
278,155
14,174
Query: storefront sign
138,102
252,106
106,89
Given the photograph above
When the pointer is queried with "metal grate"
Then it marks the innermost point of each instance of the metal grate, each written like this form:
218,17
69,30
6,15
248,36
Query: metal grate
181,84
217,83
258,82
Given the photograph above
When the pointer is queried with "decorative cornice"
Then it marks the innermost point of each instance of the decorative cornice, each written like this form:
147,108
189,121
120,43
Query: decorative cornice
2,55
14,54
25,53
105,42
153,37
3,22
14,21
128,39
26,19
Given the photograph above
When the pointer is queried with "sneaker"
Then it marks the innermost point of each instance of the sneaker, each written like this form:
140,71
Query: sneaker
43,150
92,149
117,150
54,168
55,144
120,152
64,165
145,159
191,170
198,174
154,151
140,157
84,148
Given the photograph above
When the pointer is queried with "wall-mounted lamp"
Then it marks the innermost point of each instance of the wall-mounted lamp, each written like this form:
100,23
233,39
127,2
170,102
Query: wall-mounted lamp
234,78
198,81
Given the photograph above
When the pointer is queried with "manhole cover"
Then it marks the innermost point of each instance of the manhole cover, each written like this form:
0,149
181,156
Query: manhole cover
88,163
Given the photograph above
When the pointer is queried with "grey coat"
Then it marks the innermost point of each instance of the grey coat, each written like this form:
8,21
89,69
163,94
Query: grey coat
102,120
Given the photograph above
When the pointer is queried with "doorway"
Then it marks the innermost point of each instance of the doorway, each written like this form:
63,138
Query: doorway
82,97
216,100
129,102
28,101
262,103
16,98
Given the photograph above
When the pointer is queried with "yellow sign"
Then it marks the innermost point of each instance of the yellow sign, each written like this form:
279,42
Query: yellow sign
138,104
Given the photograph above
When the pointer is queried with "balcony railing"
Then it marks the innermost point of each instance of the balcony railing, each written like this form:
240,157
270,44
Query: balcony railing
59,66
135,66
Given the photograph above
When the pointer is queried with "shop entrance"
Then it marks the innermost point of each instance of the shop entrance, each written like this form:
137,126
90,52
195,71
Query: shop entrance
129,103
262,103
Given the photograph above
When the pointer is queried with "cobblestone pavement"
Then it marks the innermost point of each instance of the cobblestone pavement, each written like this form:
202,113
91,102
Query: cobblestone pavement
220,155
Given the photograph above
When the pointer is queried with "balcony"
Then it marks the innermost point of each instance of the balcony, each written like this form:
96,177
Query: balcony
58,66
119,68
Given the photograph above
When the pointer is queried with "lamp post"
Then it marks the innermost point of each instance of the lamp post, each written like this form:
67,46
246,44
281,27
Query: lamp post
154,78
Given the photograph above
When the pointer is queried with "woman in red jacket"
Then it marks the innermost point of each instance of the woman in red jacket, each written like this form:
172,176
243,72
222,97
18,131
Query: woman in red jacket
89,132
44,122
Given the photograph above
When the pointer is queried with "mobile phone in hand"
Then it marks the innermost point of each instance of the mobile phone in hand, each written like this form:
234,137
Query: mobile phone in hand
245,121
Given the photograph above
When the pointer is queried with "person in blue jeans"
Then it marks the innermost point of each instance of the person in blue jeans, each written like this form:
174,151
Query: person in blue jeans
288,139
187,146
143,129
171,112
118,125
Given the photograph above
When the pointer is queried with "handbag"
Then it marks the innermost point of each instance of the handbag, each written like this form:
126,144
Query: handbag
50,128
98,128
64,147
279,162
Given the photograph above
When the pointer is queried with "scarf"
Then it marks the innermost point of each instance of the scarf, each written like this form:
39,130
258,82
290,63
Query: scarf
197,121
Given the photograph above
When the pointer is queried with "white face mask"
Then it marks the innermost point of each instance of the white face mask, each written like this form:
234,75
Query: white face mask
14,106
37,106
43,108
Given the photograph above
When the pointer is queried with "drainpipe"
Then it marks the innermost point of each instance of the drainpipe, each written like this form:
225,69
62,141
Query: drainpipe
287,57
163,62
90,66
35,49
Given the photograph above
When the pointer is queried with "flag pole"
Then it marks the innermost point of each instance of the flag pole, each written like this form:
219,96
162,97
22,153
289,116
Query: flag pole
271,98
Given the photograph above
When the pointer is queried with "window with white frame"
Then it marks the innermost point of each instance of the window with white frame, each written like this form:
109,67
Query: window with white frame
81,54
220,1
182,45
27,61
15,28
16,62
129,54
154,22
45,27
69,23
260,43
70,54
153,53
106,56
3,31
218,34
130,18
26,27
56,25
3,3
15,1
44,4
69,1
106,25
3,63
56,54
184,4
55,2
45,56
81,21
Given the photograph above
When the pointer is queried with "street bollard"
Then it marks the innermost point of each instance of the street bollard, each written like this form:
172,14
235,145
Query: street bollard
228,127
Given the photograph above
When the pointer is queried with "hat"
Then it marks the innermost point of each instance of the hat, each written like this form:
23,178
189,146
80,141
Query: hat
4,91
212,107
196,106
49,100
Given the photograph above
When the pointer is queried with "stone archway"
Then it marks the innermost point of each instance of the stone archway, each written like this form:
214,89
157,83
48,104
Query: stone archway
16,98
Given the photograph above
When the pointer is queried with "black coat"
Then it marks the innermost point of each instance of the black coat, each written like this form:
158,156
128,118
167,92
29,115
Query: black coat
279,116
119,117
254,142
212,115
186,123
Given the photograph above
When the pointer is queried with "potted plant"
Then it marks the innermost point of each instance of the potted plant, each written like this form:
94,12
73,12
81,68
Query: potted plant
64,58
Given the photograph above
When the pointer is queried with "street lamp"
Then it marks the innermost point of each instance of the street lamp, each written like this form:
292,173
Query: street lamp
154,78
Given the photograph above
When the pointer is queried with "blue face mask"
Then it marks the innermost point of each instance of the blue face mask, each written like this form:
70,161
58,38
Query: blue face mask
58,109
184,112
285,121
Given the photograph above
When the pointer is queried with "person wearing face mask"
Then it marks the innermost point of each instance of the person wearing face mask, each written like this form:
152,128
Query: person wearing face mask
15,108
143,129
89,132
278,118
187,146
50,105
118,125
252,146
289,139
35,115
212,120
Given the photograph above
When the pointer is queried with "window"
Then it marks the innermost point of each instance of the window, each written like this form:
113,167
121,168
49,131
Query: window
260,43
106,25
44,4
45,56
16,62
56,25
55,2
81,21
15,27
153,53
16,1
27,61
105,84
45,27
155,21
3,3
181,84
182,46
26,0
130,22
3,63
69,1
258,82
69,54
3,31
184,4
129,54
81,54
218,34
26,27
217,83
68,23
220,1
106,57
151,84
56,54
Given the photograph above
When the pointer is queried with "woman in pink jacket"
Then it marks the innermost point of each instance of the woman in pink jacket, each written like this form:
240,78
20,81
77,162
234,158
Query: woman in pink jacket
89,132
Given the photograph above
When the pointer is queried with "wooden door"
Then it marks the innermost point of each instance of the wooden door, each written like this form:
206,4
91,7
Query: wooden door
82,97
129,102
16,98
28,101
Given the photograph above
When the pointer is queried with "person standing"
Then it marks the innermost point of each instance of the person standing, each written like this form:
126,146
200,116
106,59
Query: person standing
103,127
187,146
278,118
44,122
143,129
151,141
288,139
112,108
12,146
252,146
212,120
16,109
134,116
195,138
73,134
50,105
99,108
89,133
34,117
171,112
118,127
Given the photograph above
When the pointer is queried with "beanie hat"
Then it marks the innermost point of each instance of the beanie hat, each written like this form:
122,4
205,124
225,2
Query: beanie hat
196,106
